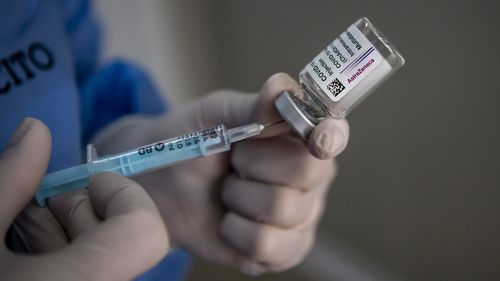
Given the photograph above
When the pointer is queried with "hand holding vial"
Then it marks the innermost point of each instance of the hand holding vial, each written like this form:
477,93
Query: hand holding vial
256,207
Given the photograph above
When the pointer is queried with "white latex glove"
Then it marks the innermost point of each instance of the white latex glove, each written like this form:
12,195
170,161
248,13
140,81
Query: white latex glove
121,236
256,207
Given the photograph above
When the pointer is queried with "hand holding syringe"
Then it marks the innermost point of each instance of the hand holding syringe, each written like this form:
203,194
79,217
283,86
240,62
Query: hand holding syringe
147,158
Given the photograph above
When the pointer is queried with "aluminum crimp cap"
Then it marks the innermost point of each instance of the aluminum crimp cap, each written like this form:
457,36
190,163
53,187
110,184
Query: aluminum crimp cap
293,116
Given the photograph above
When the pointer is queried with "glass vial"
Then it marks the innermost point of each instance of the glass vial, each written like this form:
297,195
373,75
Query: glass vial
349,69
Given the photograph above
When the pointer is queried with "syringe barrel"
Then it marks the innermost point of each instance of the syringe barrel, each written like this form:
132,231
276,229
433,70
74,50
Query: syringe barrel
133,162
62,181
164,153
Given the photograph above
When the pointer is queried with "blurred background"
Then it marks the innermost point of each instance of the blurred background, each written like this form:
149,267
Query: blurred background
418,192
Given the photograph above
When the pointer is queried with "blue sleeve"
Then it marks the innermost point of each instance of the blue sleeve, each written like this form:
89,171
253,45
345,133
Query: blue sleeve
83,34
117,89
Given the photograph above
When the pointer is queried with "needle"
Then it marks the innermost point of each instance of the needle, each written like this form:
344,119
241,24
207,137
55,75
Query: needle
272,124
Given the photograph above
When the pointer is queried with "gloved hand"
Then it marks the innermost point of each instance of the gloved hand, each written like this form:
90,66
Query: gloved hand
115,233
256,207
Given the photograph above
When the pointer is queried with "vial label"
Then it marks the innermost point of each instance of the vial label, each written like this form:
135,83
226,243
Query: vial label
346,62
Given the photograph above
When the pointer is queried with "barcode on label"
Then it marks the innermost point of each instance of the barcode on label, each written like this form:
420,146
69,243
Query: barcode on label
335,87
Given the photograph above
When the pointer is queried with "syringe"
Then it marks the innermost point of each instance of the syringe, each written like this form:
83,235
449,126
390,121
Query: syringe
146,158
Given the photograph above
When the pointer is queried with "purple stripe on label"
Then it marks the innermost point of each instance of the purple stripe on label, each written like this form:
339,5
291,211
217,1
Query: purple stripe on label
354,66
356,61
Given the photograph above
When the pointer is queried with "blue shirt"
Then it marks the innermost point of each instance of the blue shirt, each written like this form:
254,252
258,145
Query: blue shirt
49,70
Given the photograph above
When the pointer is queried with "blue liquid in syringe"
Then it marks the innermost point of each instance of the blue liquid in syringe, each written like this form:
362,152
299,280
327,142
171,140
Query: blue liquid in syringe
162,154
133,162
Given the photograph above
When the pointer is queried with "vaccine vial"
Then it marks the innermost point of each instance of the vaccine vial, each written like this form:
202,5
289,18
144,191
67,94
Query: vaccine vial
340,77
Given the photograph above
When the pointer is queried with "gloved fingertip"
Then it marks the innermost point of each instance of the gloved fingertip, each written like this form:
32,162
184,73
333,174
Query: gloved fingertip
320,146
279,82
276,85
327,140
21,131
